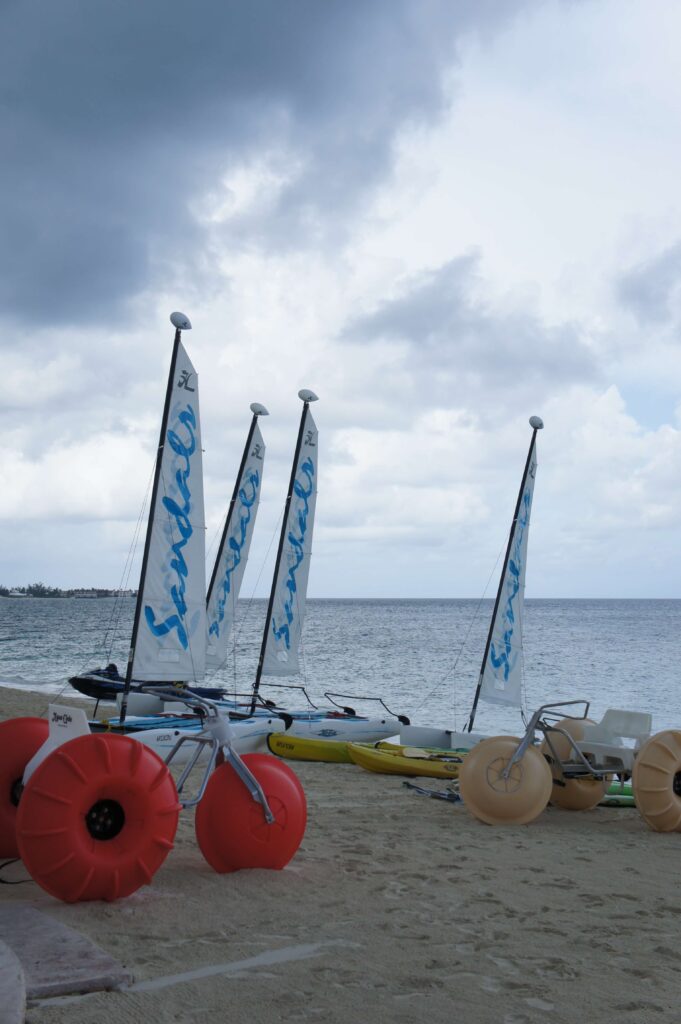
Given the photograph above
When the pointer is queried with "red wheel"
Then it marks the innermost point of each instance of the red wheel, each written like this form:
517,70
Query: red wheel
230,825
20,739
97,818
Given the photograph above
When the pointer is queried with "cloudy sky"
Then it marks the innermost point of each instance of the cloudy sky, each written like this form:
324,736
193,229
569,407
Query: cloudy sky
442,216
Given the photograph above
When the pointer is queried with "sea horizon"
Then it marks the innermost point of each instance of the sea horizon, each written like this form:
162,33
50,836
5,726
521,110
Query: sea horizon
421,655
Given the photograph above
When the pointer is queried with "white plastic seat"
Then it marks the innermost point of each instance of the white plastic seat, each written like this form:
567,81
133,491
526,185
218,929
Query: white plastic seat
606,740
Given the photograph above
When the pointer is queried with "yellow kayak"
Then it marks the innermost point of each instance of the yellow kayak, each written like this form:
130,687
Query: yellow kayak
400,760
301,748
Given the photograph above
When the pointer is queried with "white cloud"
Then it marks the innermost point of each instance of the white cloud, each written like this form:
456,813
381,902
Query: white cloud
515,257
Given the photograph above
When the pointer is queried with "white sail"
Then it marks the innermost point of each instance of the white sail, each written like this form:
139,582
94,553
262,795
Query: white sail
501,677
281,656
170,641
233,554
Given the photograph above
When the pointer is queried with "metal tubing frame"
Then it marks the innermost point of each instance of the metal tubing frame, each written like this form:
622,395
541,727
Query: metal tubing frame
208,736
537,722
329,694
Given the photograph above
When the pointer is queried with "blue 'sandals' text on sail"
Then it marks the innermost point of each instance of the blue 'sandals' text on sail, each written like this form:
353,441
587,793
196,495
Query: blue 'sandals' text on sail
307,470
235,545
505,659
180,515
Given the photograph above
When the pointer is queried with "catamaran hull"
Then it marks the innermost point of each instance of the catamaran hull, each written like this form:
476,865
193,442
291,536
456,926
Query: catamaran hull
248,737
358,730
444,739
102,687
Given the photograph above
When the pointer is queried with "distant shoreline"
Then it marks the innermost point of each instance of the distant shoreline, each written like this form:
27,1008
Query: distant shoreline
20,593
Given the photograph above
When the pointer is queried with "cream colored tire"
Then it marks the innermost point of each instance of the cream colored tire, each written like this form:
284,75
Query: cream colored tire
656,781
576,794
498,801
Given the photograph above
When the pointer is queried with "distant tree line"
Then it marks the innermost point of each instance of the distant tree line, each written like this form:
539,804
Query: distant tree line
42,590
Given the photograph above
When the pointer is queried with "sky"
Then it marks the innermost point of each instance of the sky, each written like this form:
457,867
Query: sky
441,217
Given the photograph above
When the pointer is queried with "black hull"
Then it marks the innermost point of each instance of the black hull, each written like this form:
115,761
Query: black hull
102,687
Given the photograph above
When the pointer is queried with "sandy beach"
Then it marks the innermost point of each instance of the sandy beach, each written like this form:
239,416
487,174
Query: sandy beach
396,908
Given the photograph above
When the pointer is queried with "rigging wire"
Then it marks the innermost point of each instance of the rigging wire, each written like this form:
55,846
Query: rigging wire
114,621
112,627
451,671
251,599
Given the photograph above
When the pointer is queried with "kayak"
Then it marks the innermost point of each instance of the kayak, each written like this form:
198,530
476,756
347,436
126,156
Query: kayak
403,760
619,795
303,748
300,748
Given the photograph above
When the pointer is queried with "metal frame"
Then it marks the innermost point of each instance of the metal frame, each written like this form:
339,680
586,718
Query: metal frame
217,736
352,696
575,768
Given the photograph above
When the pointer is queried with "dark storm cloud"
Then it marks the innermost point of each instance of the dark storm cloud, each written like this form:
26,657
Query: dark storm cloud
461,342
647,289
117,115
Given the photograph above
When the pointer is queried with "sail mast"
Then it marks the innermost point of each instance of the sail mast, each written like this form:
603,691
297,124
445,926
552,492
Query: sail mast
181,323
536,424
306,397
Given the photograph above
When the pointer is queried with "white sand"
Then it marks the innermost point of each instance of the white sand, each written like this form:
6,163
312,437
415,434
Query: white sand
397,908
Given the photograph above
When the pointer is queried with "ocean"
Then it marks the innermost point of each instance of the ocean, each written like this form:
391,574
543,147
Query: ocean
422,657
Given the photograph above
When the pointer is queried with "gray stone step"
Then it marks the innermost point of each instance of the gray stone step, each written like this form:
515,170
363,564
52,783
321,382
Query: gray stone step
12,987
56,960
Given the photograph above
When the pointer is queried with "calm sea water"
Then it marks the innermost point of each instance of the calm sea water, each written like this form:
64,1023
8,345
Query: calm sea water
421,656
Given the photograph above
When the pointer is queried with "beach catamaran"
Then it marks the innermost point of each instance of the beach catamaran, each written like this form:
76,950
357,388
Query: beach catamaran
282,634
225,583
154,663
283,628
175,633
91,811
501,671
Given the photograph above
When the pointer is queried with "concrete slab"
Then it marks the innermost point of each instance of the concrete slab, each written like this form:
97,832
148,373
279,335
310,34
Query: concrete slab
12,987
56,960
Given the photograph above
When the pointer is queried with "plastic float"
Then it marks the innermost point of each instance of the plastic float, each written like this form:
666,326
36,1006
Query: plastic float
20,739
93,816
510,779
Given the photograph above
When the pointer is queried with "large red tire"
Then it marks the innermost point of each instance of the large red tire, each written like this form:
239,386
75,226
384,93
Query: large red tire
20,739
97,818
231,829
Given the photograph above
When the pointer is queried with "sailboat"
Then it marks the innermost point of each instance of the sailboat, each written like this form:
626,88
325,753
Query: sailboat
500,676
235,542
223,590
171,625
282,633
